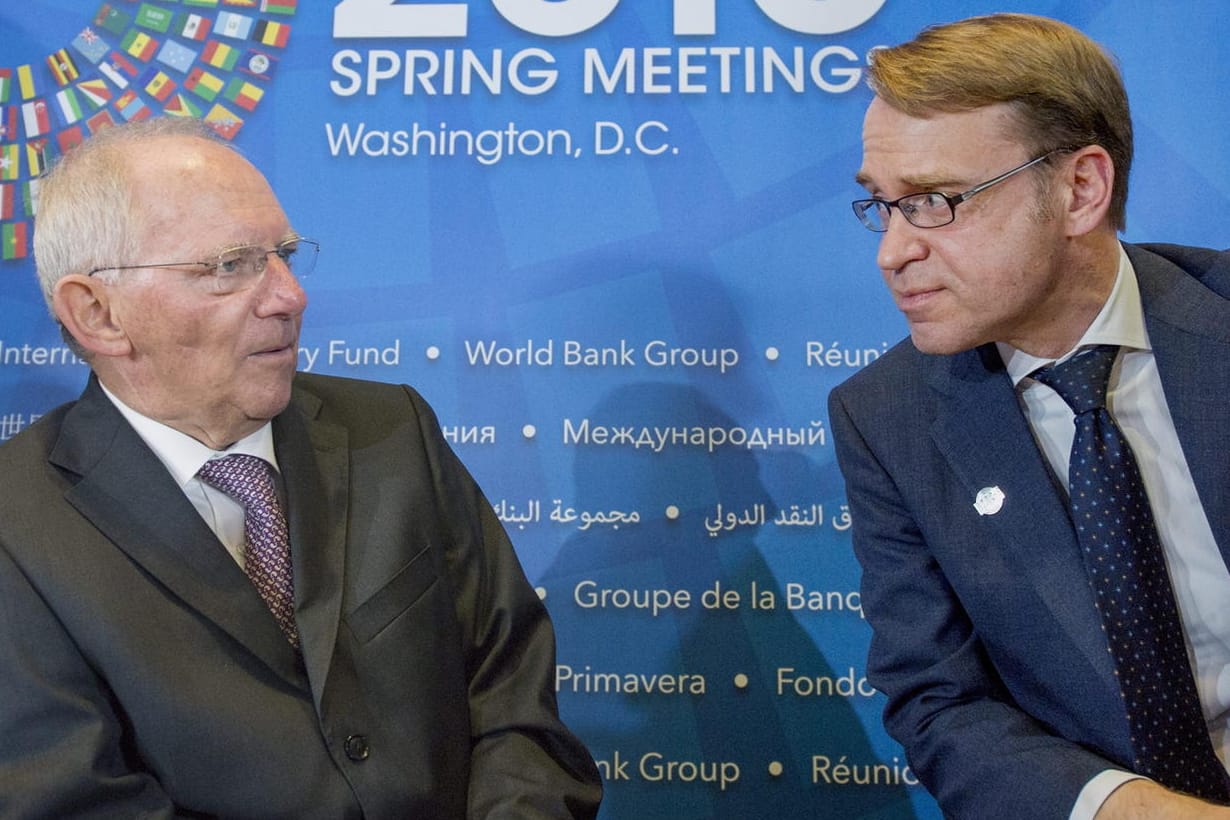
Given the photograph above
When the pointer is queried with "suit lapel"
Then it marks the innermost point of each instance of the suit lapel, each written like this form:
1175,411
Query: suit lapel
314,461
158,528
981,430
1188,325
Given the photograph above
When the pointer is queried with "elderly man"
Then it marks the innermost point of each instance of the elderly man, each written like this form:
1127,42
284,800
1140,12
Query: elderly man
1037,476
230,590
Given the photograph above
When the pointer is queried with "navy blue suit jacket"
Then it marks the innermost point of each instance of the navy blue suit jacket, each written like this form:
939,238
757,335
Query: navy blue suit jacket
142,676
986,641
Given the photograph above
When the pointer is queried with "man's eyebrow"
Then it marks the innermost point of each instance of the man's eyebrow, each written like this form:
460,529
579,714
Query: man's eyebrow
934,182
920,182
239,245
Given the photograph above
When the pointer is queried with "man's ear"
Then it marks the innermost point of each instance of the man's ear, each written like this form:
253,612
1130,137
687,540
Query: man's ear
1091,180
83,306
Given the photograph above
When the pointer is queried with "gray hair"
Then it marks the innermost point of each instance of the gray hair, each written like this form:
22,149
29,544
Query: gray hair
86,215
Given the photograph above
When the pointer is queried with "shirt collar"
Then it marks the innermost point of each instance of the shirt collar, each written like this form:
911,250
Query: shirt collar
183,455
1121,321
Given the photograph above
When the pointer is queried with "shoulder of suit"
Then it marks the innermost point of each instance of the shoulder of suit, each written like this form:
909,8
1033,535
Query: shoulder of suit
25,470
325,386
900,365
1209,266
35,440
360,399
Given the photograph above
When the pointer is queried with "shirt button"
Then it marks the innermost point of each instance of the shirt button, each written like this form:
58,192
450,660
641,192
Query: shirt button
357,748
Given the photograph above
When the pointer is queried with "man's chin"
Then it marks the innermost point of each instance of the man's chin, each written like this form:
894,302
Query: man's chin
270,403
935,342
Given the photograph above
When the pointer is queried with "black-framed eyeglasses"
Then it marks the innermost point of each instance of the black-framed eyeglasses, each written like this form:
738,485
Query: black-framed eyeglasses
238,268
930,209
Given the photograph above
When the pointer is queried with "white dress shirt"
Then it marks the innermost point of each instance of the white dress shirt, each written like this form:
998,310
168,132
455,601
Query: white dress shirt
1197,572
184,456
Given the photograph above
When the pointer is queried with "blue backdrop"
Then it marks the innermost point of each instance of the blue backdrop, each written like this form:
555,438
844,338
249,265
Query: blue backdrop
611,243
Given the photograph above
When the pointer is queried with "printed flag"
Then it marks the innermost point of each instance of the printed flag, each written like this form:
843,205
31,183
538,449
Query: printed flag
223,121
251,4
117,69
100,121
271,34
206,3
25,82
18,199
176,55
181,106
153,18
29,196
243,93
190,26
157,84
13,240
139,45
220,55
6,84
69,106
131,106
36,118
96,92
8,123
279,6
112,19
235,26
69,138
90,46
258,64
203,84
38,155
10,167
123,64
63,69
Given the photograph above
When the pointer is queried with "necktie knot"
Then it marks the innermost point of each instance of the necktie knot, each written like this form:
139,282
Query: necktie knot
245,478
1081,380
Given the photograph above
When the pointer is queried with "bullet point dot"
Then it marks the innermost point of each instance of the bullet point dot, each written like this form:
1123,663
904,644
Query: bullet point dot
771,353
740,681
529,431
672,512
775,768
433,353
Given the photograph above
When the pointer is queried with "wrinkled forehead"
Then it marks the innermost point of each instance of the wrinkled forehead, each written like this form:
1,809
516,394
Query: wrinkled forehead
934,147
180,168
1000,122
190,192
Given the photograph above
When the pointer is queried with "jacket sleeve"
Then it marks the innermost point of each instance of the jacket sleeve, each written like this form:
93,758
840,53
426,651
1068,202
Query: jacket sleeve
524,762
965,736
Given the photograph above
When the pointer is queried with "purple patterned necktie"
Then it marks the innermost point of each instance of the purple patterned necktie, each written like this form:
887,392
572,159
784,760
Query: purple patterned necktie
1127,571
249,480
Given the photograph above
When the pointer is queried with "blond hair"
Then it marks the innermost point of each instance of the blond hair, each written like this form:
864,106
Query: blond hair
1065,88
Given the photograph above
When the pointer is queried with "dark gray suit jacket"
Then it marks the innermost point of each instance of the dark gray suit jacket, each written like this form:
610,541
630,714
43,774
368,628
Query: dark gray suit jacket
986,640
141,675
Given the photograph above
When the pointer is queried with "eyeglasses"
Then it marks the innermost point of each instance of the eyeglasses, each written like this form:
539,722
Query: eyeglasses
239,268
929,209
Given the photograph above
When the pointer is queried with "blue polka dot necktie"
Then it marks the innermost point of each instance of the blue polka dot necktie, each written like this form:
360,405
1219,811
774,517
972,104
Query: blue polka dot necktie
1127,571
250,481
